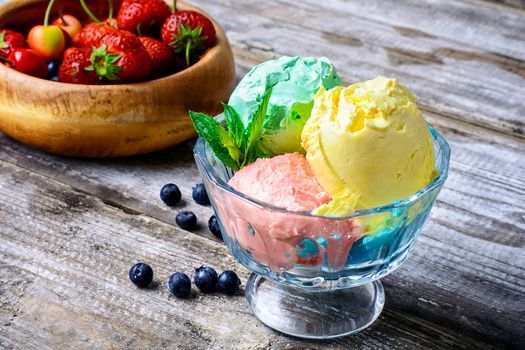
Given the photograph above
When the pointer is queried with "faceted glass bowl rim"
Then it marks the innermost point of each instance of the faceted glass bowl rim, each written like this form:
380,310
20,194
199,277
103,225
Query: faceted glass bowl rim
444,162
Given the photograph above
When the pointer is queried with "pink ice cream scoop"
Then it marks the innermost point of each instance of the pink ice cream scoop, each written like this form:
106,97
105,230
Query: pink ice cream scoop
285,181
284,239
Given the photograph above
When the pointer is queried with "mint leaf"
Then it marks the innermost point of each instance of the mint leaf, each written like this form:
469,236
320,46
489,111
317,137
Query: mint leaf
234,123
238,145
253,130
229,143
213,132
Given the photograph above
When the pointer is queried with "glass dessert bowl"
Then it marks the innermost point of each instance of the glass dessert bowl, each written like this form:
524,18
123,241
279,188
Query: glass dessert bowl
314,276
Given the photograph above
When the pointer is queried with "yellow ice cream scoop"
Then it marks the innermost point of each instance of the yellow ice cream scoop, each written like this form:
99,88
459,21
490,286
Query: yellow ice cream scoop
368,145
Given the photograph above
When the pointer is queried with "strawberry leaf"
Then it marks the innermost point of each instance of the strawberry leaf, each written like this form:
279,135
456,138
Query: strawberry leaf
104,64
188,40
234,123
3,44
253,130
218,138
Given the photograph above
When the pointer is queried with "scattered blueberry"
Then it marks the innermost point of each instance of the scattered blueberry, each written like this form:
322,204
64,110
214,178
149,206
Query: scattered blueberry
186,220
206,279
229,283
141,275
52,70
170,194
55,78
179,285
214,227
199,195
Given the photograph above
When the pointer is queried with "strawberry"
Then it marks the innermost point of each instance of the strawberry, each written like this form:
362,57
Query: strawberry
147,15
164,60
73,67
188,32
92,33
121,57
10,40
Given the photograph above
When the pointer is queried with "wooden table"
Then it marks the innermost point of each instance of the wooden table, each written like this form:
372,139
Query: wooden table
70,228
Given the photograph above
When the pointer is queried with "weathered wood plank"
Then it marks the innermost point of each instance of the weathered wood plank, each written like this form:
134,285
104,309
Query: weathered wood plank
470,254
457,21
65,254
460,76
514,4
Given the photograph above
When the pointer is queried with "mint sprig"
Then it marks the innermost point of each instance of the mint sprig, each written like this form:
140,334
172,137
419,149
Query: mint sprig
235,147
213,132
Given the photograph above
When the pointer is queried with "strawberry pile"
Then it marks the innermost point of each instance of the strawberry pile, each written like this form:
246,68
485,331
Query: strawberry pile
146,40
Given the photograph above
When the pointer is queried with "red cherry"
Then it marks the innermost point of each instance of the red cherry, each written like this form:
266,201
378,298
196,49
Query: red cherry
27,61
70,24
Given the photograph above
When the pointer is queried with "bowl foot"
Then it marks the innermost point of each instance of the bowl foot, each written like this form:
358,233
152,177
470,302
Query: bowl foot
314,313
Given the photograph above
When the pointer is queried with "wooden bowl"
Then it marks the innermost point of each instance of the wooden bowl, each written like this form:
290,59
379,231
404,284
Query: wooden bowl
108,120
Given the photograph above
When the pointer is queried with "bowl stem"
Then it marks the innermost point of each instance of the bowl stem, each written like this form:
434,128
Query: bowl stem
314,314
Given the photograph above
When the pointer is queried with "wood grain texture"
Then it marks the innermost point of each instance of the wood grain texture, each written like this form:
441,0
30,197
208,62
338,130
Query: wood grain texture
447,52
517,4
460,266
65,255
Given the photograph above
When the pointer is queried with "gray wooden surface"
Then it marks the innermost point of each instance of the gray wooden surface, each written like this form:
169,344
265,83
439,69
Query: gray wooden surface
70,229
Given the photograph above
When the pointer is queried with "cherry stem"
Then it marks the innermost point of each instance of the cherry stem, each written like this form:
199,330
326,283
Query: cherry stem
139,31
110,16
48,12
89,13
174,5
61,13
188,46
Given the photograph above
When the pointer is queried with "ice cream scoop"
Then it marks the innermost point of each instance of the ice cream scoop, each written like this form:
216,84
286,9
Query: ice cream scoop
283,239
295,81
368,145
284,181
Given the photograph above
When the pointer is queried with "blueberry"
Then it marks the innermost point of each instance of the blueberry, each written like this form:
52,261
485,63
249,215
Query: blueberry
199,195
170,194
141,275
52,69
186,220
206,279
213,225
229,283
179,285
55,78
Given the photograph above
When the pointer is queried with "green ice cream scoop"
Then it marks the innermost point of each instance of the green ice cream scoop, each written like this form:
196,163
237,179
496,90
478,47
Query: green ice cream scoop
295,81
